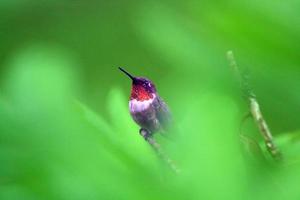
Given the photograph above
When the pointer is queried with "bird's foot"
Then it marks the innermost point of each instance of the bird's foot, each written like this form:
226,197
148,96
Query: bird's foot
145,133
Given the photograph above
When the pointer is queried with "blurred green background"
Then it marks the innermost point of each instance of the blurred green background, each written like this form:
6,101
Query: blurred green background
65,129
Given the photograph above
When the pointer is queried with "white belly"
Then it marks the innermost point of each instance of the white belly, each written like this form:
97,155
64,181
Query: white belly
139,106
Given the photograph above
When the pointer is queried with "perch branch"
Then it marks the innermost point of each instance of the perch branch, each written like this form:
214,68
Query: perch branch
254,108
159,150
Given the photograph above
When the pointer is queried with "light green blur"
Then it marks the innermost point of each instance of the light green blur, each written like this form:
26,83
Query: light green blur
65,129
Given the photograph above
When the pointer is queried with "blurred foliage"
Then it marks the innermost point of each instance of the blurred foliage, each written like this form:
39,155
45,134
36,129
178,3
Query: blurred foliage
65,129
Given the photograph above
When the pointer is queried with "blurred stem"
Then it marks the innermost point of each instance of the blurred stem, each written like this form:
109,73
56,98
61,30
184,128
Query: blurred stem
148,137
254,108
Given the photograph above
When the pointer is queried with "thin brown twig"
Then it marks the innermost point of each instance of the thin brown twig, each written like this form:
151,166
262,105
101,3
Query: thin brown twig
255,109
159,150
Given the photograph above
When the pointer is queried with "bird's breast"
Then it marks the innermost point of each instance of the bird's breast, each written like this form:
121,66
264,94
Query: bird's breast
136,106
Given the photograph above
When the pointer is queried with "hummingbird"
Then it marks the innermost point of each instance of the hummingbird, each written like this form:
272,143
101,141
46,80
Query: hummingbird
146,107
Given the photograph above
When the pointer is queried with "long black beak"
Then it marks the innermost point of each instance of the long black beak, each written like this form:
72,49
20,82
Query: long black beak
130,76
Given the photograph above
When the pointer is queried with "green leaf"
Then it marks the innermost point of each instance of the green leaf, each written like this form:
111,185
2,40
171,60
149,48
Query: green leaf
289,145
117,106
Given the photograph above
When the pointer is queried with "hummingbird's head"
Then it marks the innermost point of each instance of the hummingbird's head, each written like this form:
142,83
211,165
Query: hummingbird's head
142,88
